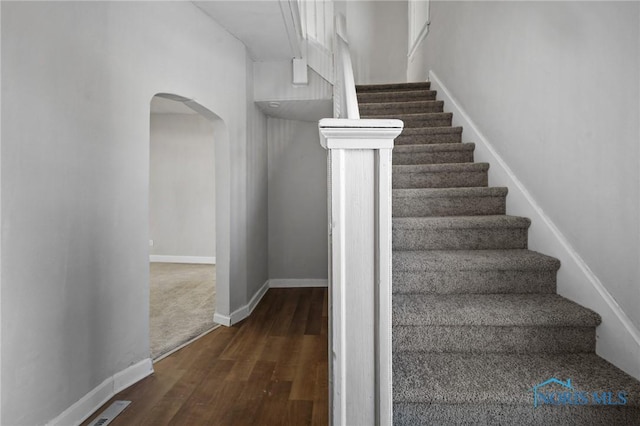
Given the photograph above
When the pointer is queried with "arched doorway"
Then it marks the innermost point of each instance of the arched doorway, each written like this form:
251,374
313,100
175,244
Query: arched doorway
188,221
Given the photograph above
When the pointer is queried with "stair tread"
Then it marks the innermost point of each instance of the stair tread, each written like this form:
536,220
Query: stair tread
490,310
461,222
473,260
435,147
441,167
472,378
393,86
475,191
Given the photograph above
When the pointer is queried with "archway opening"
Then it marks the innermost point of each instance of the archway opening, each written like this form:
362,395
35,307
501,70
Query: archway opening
182,223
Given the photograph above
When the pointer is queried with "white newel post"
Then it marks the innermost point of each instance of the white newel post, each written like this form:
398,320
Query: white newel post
359,175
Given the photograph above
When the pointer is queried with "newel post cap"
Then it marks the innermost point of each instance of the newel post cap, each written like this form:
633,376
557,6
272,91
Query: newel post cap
340,133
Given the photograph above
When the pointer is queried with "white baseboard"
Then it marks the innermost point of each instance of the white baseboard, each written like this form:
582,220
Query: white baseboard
88,404
182,259
244,311
131,375
222,319
618,339
294,282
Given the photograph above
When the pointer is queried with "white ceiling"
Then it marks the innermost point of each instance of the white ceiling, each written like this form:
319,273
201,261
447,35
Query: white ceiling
258,24
302,110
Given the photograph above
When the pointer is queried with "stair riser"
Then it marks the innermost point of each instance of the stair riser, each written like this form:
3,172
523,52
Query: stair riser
434,106
460,239
415,413
441,157
440,180
439,121
408,138
485,339
448,206
404,96
394,87
475,282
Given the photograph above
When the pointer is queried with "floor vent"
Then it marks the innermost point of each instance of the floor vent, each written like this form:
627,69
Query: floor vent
110,413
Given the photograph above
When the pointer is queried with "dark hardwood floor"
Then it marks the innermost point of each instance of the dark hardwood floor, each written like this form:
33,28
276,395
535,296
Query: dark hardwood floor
270,369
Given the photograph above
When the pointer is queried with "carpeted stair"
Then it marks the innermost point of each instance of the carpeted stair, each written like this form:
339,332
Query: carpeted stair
477,322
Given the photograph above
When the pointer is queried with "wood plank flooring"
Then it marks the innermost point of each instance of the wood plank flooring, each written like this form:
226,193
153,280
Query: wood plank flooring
270,369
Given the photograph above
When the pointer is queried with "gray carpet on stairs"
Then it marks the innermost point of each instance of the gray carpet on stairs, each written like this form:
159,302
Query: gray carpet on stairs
460,233
434,153
476,321
453,175
429,135
449,201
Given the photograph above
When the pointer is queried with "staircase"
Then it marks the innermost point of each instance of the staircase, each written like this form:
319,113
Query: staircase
477,322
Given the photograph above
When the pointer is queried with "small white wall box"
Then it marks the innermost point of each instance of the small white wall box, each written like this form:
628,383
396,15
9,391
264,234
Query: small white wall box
300,75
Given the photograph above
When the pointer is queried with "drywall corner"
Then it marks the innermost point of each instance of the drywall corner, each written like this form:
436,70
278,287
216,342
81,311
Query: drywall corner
243,311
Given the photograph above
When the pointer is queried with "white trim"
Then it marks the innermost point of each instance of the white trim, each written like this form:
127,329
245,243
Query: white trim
383,287
424,29
297,282
618,339
182,259
87,405
222,319
423,34
244,311
293,26
92,401
320,59
338,133
131,375
359,225
344,80
1,239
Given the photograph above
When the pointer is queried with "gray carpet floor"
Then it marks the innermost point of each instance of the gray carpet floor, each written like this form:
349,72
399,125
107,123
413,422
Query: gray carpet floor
182,304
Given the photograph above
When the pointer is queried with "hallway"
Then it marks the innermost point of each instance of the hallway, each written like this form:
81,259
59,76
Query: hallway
270,369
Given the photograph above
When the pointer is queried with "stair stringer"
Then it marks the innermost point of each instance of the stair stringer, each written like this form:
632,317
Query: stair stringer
617,338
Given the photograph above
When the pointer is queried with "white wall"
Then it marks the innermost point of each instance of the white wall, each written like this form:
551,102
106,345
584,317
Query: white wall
554,86
182,207
257,183
273,82
1,232
377,32
77,80
297,201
